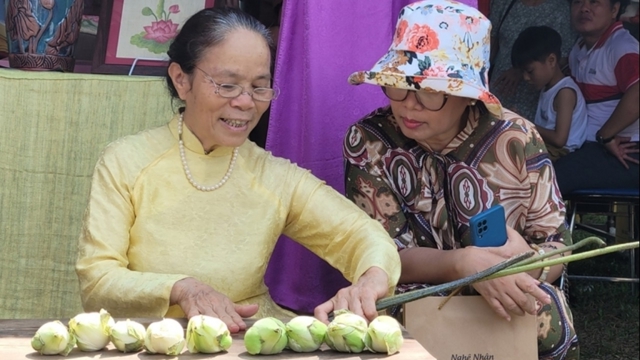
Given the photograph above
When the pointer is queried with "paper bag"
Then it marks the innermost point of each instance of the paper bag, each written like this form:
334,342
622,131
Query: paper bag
466,328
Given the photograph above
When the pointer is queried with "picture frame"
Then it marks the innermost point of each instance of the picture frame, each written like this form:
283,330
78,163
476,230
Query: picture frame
4,46
138,32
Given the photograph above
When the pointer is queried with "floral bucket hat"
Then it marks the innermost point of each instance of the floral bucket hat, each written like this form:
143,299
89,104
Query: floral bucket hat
439,45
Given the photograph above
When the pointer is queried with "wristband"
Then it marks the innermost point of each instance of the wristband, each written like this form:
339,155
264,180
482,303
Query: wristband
602,140
546,269
549,246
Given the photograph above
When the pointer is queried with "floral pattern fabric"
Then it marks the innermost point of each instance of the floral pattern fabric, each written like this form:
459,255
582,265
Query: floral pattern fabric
420,56
426,199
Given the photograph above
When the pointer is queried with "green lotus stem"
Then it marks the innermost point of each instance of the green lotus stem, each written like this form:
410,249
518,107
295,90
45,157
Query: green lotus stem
582,243
419,294
536,258
562,260
521,263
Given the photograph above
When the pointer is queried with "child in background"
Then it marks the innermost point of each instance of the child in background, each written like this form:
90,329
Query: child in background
561,116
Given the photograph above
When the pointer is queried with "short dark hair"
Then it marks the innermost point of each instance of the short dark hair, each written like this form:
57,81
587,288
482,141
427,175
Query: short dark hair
205,29
623,6
535,43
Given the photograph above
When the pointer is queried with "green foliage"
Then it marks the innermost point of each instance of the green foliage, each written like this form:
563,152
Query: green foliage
153,46
606,315
160,10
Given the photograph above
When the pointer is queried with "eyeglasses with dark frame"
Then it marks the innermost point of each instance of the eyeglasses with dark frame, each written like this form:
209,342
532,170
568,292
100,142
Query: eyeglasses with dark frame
231,91
433,101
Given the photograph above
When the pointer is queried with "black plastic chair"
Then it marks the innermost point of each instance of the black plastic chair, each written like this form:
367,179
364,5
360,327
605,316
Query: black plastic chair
602,201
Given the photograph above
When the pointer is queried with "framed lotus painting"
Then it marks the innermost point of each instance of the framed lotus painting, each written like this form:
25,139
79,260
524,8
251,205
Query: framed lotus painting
4,48
139,32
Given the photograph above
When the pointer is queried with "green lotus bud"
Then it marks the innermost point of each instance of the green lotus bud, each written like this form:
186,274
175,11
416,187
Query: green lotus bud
206,334
346,332
384,335
53,338
164,337
267,336
305,333
91,330
127,336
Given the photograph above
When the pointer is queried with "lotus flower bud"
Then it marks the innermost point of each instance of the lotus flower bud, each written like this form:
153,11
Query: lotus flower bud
305,333
164,337
91,330
346,332
267,336
127,336
384,335
53,338
206,334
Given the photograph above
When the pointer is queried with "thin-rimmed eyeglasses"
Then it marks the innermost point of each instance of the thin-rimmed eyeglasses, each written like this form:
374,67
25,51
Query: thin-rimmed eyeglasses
433,101
230,91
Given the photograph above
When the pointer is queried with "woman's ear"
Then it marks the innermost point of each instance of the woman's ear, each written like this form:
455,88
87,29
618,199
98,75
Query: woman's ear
181,80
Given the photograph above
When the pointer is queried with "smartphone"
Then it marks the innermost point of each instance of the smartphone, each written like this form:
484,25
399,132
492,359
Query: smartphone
489,227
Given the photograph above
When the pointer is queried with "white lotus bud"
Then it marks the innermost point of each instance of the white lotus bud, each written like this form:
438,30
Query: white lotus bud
267,336
346,332
164,337
91,330
384,335
53,338
209,335
305,333
127,336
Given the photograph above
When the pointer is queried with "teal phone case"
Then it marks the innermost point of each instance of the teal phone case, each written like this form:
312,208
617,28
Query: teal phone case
488,229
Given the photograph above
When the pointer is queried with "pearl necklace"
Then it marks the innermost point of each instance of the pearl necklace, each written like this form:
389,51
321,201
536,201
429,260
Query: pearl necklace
187,172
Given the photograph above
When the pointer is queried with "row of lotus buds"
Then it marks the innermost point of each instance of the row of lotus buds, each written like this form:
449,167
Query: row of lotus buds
93,331
347,332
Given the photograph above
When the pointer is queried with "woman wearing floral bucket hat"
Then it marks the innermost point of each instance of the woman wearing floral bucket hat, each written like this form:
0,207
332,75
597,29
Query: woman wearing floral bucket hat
445,150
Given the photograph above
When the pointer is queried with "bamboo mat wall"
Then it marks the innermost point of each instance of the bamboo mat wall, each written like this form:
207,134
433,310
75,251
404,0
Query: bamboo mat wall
53,127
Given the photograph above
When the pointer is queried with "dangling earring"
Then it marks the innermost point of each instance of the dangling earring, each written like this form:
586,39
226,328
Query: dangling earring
472,102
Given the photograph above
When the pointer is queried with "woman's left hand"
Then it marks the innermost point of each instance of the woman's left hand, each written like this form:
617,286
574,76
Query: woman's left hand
517,245
359,298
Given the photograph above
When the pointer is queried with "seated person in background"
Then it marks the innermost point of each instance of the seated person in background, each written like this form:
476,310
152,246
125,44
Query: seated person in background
604,63
182,219
509,18
561,116
446,150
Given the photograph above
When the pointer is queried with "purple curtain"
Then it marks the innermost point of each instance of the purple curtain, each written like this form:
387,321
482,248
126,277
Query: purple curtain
321,44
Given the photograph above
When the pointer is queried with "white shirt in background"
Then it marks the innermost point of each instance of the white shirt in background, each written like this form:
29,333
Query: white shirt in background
546,114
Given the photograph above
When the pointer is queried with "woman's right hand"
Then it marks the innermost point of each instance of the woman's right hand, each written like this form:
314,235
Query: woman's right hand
197,298
506,295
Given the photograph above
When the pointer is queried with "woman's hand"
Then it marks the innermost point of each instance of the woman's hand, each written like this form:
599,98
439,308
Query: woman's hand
621,147
508,81
506,295
197,298
515,245
360,298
